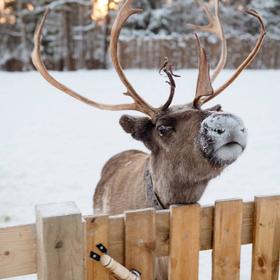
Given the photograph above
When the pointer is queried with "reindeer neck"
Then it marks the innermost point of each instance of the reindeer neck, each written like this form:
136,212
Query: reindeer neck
175,184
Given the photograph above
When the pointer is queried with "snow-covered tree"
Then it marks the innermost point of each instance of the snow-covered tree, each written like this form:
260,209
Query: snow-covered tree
71,40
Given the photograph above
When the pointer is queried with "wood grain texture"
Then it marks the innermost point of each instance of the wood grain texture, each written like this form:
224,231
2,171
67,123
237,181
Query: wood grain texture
116,232
247,222
17,251
97,232
60,242
140,242
206,228
227,240
24,237
184,242
162,233
266,243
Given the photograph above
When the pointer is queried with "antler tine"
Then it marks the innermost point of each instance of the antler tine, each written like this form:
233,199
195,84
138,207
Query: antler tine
125,12
39,65
214,26
247,61
167,69
204,86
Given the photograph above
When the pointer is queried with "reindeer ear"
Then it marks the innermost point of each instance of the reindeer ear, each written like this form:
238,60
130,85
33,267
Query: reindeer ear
140,128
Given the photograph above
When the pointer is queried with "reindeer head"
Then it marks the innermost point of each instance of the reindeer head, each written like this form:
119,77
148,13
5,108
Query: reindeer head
208,138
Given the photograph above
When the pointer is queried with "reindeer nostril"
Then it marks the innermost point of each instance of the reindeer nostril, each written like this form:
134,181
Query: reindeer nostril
242,130
219,130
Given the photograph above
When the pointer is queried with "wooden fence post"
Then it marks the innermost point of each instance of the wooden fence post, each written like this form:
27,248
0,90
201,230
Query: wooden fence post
266,241
97,232
60,244
140,241
227,240
184,242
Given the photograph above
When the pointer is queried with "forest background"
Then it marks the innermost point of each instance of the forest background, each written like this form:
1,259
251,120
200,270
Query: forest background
77,32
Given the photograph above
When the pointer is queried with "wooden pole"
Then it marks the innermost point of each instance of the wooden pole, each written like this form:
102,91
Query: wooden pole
60,244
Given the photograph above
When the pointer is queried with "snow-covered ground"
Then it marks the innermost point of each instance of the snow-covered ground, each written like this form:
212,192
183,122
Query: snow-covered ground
52,147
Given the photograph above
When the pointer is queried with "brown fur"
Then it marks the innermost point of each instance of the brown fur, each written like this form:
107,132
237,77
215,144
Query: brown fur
122,175
180,173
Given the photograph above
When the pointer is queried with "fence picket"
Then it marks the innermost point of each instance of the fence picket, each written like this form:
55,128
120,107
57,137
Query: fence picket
266,241
97,232
60,242
143,234
116,233
140,241
227,240
184,242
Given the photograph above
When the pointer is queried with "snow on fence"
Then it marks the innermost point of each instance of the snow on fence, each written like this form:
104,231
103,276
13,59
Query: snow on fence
58,245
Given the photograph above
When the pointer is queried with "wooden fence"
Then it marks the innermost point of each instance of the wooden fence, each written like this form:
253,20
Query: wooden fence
149,52
58,245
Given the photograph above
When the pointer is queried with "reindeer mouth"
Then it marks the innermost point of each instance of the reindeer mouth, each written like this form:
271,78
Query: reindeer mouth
232,145
227,153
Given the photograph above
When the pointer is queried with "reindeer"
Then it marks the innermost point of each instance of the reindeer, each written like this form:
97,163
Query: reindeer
188,145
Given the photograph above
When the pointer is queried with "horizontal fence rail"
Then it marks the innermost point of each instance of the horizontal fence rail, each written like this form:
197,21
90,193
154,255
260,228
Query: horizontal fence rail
58,245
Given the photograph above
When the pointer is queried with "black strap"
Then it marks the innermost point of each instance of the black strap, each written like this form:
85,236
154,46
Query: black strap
152,196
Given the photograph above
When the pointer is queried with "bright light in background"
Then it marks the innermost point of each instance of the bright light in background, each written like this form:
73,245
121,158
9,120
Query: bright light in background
29,7
102,7
6,13
2,6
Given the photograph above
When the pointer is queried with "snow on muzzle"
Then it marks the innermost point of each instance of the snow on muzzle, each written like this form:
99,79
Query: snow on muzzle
222,138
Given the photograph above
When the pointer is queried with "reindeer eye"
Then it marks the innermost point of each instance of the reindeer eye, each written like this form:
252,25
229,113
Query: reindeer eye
162,129
219,130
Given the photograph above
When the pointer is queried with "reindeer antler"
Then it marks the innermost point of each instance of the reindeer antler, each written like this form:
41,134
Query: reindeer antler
38,63
248,59
167,68
138,105
214,26
205,92
125,12
204,85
